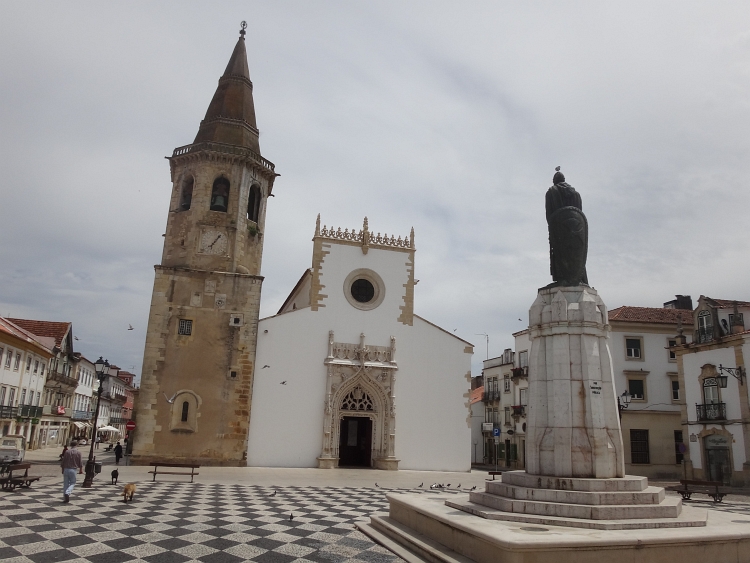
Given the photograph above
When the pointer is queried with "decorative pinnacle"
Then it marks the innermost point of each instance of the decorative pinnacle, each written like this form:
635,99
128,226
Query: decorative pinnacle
243,26
364,226
317,226
411,238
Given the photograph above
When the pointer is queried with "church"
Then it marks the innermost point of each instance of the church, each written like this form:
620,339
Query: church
344,375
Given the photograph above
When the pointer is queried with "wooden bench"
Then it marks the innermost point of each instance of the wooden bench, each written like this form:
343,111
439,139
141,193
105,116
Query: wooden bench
192,468
493,473
10,482
713,489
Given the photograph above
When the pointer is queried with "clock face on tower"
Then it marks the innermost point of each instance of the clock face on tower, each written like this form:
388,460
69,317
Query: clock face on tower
213,241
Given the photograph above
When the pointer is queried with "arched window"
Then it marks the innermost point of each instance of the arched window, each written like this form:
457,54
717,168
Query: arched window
185,412
186,195
220,195
253,203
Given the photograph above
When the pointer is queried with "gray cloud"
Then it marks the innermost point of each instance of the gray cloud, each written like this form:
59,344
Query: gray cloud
443,116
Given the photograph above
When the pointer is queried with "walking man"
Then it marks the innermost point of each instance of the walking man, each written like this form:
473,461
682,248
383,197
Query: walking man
71,465
118,453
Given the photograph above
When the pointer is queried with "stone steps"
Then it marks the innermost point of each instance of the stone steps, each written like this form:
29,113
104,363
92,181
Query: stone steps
650,495
693,518
669,507
630,483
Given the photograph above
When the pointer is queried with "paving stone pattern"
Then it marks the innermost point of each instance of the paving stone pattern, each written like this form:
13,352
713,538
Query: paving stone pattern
178,522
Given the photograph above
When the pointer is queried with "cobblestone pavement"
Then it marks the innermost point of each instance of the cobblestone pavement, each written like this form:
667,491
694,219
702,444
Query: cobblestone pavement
178,522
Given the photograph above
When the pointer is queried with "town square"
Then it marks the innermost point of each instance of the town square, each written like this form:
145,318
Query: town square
557,375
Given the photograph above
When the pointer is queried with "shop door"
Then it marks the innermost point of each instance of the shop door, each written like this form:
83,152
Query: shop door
355,442
717,463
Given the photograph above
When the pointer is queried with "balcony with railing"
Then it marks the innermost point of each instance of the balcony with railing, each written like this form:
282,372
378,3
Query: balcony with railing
117,420
61,378
517,373
82,415
27,411
8,412
519,410
490,395
711,411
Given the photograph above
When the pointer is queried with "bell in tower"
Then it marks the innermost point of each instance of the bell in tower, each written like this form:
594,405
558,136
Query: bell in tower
196,387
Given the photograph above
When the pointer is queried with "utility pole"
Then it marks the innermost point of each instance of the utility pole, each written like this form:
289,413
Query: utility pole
487,341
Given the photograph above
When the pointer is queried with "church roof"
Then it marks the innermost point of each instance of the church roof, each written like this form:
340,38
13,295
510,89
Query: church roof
651,315
230,117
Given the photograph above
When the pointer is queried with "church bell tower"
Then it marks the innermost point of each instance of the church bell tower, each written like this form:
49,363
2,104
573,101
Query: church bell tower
196,385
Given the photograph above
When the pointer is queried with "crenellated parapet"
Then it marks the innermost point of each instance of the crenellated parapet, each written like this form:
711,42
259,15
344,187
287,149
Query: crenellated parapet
365,237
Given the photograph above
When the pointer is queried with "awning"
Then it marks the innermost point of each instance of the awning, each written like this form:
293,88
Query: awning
80,425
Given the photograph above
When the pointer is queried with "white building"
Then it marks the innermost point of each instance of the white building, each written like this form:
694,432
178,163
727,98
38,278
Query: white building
716,409
646,367
83,405
347,375
23,365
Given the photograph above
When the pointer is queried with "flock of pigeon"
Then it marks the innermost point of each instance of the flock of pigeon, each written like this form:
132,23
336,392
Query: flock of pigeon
438,486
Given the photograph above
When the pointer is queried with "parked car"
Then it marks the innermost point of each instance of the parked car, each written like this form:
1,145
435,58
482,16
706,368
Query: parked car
12,448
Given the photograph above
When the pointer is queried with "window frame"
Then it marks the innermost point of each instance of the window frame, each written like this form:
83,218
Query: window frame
646,455
642,379
184,327
671,355
641,350
672,380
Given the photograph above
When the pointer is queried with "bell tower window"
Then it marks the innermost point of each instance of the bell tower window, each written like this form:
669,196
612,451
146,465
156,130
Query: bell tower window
186,195
185,410
253,203
220,195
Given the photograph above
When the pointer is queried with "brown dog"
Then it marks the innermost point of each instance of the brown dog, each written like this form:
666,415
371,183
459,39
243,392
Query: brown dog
128,491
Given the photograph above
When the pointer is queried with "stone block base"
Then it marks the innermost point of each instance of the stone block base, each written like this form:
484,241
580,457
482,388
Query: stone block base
328,462
421,522
387,463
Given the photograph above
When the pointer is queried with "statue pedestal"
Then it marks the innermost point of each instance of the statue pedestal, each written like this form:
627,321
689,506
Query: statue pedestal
573,421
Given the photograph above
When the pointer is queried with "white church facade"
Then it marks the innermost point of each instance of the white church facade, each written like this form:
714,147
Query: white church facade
348,376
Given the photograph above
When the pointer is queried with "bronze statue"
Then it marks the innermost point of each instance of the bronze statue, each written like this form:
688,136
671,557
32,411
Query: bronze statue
568,233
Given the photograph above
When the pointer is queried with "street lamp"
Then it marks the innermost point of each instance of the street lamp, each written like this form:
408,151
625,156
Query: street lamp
624,403
738,373
102,370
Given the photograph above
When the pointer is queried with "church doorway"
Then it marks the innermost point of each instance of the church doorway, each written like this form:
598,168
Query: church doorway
355,442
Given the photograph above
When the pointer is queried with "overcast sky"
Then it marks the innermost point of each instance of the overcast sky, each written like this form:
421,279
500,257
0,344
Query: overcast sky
446,116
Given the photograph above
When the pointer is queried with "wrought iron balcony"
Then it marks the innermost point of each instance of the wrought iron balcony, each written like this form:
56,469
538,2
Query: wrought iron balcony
712,411
519,410
117,420
82,415
8,412
520,372
27,411
490,395
61,378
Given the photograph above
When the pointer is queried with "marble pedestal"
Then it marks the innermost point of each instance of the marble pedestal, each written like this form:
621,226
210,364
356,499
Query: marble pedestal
573,422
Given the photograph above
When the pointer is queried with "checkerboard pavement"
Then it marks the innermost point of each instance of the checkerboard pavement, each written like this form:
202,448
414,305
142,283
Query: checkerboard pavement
179,522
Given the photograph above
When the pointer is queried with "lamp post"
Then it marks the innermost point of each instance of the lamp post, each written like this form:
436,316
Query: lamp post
624,403
102,369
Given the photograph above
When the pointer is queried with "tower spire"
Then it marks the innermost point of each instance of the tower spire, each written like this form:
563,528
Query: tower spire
230,117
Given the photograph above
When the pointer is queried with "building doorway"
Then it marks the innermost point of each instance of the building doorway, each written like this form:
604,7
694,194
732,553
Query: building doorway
718,463
355,442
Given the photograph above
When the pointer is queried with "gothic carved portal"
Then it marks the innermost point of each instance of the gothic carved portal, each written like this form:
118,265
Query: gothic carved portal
360,385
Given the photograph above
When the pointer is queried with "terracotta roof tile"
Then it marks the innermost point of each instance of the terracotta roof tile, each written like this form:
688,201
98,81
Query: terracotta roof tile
49,329
476,395
651,315
728,303
9,327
